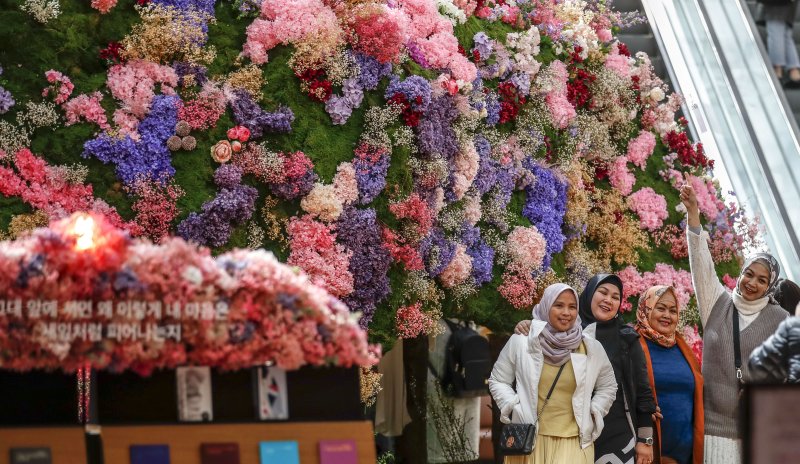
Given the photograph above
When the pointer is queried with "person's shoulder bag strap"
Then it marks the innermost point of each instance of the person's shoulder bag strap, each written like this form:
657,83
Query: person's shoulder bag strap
737,350
549,393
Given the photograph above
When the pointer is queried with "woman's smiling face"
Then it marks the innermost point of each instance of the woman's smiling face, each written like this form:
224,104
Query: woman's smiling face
564,311
663,318
605,302
754,281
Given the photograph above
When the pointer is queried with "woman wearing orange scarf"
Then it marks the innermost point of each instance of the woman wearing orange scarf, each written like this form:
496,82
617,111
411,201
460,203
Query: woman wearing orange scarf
675,378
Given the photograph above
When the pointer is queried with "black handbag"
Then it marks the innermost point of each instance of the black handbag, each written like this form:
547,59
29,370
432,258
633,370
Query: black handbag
519,439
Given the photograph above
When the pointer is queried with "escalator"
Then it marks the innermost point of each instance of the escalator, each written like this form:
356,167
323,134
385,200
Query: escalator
713,54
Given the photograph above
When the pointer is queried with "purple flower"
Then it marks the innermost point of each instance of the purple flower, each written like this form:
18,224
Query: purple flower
339,109
483,45
248,113
435,134
492,109
522,81
545,206
228,176
6,100
371,177
481,253
416,54
416,89
371,71
233,205
183,69
148,157
358,230
436,251
486,177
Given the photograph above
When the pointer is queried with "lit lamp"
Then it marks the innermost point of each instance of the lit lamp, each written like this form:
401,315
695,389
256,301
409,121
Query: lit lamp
83,229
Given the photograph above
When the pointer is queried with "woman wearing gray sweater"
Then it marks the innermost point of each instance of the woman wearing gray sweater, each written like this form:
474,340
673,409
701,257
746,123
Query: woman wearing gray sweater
750,308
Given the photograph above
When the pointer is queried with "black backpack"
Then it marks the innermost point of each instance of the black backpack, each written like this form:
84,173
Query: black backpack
468,363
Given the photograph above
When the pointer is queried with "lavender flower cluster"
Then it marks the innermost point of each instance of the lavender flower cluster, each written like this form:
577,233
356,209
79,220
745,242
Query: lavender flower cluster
435,134
371,177
184,69
358,230
6,100
545,206
371,71
481,253
148,157
416,89
233,205
248,113
437,251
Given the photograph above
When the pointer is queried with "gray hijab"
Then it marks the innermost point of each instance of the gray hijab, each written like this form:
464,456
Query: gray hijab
557,346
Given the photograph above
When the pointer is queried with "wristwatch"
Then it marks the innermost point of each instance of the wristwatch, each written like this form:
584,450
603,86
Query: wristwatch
647,441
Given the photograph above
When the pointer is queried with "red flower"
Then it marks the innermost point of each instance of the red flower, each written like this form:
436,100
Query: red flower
112,53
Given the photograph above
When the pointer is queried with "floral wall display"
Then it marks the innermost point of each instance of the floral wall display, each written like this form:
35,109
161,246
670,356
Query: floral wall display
415,158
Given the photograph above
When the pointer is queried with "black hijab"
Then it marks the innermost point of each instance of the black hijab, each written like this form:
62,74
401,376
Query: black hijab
608,332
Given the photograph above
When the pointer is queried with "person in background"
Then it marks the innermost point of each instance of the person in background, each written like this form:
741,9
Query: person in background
675,378
779,16
747,314
787,294
628,433
556,353
777,360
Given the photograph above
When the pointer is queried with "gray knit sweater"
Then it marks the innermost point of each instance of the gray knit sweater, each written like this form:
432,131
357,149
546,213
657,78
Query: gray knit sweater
721,392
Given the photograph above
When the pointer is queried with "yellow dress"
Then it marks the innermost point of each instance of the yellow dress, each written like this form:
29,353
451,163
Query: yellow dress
558,441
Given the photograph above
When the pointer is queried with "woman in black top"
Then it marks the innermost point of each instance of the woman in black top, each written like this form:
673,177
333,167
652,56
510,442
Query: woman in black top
628,432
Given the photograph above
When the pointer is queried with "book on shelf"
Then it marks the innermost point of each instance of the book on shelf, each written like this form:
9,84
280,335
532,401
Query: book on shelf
273,396
279,452
338,452
194,393
30,455
219,453
149,454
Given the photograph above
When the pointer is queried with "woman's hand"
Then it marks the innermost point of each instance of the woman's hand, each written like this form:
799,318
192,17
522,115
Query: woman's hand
689,200
644,454
523,328
657,415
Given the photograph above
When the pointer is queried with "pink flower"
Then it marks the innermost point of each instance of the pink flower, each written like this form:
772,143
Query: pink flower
86,107
314,249
561,110
650,207
729,281
692,336
640,148
221,151
526,247
620,177
103,6
518,287
411,321
707,200
345,183
663,274
61,86
459,268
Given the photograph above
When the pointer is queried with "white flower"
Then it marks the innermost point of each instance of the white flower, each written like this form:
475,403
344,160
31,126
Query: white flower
657,94
192,275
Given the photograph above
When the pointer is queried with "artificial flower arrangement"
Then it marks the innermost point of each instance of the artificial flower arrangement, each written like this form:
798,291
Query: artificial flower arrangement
414,157
84,293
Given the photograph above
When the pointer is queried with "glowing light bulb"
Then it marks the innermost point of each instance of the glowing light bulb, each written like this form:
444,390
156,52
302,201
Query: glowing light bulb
84,232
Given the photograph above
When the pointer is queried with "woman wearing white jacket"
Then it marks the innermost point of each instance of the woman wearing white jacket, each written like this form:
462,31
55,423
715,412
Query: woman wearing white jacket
583,394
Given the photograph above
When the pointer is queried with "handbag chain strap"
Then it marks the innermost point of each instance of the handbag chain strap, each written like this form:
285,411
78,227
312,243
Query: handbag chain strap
737,351
549,393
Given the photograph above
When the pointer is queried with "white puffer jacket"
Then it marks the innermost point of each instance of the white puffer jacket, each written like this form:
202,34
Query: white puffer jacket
522,360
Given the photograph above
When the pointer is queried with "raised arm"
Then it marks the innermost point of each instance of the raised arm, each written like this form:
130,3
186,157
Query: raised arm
503,375
707,287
